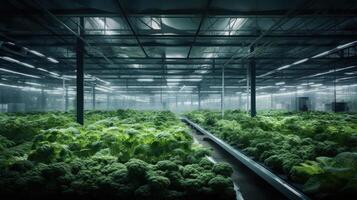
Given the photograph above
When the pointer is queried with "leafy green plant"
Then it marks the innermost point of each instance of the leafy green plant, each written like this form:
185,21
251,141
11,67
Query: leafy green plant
122,154
295,144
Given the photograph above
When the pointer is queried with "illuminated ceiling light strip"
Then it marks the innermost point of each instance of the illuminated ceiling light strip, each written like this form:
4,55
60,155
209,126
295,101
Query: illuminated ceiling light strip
31,83
53,73
280,83
36,53
16,61
25,88
6,85
52,60
306,59
101,80
346,45
27,65
265,87
19,73
322,54
300,61
180,80
316,85
330,71
351,73
227,87
346,78
10,43
283,67
101,89
9,59
145,79
88,76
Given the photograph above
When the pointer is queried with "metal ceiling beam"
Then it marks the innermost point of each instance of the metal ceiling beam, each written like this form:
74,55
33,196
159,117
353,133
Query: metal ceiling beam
81,37
347,12
181,44
199,27
193,60
122,11
287,17
308,35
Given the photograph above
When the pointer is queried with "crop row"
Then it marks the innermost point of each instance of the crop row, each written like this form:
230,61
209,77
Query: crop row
122,154
315,149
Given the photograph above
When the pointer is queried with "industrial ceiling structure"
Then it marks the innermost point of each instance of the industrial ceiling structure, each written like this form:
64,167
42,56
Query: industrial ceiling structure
158,46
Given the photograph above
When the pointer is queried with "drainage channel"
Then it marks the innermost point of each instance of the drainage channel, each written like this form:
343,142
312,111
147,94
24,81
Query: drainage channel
250,185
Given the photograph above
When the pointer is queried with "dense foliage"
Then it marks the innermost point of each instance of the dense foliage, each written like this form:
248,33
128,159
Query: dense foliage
314,148
121,154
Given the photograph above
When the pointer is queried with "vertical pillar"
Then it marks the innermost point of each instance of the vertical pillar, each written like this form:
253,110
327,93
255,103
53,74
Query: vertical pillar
334,90
64,94
176,103
252,76
43,100
108,101
93,96
334,95
66,99
248,90
1,100
240,101
80,73
161,102
191,100
222,94
199,97
295,100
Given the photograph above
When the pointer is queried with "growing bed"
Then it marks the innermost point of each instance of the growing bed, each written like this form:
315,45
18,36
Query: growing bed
315,149
122,154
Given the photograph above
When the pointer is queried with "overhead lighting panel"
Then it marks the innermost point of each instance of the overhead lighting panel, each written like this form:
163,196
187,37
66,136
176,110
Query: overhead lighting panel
316,85
283,67
300,61
346,45
280,83
52,60
350,73
330,71
36,53
53,73
19,73
34,84
16,61
322,54
145,79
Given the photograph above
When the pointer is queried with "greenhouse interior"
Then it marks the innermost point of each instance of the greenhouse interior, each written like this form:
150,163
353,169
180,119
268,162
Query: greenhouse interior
178,100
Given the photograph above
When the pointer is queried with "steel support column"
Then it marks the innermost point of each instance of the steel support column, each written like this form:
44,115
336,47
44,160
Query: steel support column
252,76
66,99
176,102
222,94
108,101
80,73
199,97
93,96
334,91
64,94
43,100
